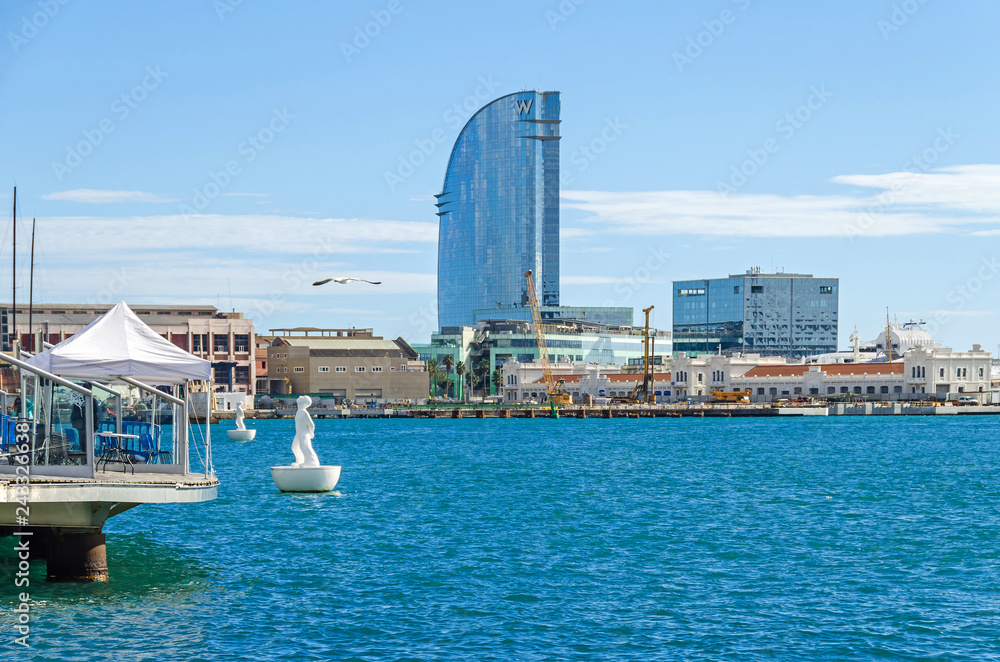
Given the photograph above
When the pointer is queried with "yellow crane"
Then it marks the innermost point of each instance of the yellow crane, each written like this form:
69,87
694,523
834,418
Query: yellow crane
645,387
557,394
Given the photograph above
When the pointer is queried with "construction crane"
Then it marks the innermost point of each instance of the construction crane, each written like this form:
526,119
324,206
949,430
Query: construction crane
643,391
557,394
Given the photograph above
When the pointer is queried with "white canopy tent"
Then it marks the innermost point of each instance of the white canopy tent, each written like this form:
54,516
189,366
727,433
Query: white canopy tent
119,347
119,344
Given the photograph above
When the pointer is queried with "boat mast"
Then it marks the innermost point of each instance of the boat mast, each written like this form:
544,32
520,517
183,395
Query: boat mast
13,283
31,292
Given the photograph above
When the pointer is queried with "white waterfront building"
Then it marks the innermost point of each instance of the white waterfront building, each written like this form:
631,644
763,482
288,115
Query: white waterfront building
923,373
927,371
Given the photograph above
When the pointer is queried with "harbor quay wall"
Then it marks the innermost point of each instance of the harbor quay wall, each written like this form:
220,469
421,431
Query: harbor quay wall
639,411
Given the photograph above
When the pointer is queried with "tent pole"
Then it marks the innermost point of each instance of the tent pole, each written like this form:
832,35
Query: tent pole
210,402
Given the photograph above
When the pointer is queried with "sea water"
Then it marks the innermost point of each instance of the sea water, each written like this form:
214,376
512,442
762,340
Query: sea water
653,539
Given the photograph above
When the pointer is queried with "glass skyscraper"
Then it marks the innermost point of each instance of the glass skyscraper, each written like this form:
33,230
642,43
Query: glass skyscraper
791,315
499,209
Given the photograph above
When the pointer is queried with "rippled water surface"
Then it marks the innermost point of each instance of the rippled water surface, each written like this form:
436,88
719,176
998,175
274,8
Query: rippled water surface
688,539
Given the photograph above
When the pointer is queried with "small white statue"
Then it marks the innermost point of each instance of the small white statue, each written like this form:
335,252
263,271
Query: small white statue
241,433
240,425
302,448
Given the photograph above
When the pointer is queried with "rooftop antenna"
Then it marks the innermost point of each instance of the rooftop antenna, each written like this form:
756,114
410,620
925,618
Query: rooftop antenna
888,334
233,308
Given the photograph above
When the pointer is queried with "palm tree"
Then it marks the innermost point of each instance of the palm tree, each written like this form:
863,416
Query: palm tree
433,372
448,362
484,373
460,370
474,381
497,379
443,381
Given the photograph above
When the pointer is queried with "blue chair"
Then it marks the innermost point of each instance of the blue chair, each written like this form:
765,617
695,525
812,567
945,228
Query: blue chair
8,432
72,436
5,434
147,449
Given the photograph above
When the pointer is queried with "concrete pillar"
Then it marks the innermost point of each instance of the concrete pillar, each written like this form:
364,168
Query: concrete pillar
77,557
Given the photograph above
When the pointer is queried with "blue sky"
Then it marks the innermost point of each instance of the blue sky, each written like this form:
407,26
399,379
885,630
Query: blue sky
200,152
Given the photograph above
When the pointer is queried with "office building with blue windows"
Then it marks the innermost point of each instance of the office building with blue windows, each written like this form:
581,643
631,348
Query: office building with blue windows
499,209
790,315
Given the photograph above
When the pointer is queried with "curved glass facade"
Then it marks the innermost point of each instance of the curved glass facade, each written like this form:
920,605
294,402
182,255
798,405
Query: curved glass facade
499,209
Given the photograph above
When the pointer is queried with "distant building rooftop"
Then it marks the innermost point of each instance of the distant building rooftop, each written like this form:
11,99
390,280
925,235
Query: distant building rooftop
315,332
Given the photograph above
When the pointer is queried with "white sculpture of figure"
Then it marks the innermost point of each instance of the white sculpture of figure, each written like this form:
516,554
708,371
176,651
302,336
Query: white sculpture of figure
305,474
240,425
241,433
302,448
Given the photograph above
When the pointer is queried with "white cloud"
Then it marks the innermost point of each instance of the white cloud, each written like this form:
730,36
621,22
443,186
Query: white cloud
588,249
573,233
125,237
246,195
600,280
101,197
267,260
943,314
944,200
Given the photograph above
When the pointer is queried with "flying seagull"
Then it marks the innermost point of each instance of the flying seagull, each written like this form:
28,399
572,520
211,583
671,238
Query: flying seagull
346,279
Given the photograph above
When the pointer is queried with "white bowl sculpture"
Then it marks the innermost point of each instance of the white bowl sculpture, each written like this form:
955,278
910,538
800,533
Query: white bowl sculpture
241,433
306,479
306,474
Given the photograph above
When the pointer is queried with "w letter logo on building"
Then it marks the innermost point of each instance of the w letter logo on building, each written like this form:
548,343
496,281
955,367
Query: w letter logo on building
523,106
